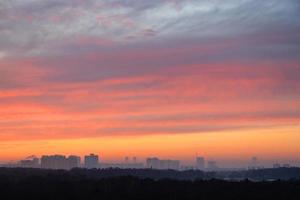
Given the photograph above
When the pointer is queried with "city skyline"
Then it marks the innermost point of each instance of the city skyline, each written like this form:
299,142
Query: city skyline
93,160
162,78
228,159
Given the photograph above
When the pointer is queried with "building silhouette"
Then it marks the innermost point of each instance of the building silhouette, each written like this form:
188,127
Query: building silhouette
156,163
254,163
60,162
30,163
126,159
200,163
91,161
54,162
74,161
134,159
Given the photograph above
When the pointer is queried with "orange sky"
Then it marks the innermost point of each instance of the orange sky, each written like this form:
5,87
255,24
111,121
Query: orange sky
205,110
275,144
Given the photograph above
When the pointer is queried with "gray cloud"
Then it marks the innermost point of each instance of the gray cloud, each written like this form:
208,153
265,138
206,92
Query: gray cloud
31,26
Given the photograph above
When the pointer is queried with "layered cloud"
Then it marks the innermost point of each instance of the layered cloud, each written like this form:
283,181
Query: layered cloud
31,26
75,69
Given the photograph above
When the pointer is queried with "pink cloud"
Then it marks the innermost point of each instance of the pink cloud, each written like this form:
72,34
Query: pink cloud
186,98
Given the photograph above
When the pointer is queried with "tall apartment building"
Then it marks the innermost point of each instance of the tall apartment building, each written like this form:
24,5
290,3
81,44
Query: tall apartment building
60,162
200,163
91,161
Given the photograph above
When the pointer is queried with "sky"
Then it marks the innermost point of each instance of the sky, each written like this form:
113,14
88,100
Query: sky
166,78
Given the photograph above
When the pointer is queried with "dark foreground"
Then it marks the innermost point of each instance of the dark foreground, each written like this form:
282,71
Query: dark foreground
82,184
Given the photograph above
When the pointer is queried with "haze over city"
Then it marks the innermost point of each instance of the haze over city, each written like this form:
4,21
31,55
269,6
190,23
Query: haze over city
162,78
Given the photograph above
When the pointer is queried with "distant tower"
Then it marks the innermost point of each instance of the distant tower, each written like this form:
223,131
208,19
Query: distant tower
200,163
126,159
254,162
91,161
134,159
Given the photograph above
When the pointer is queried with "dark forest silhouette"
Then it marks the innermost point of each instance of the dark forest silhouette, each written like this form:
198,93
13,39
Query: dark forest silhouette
18,183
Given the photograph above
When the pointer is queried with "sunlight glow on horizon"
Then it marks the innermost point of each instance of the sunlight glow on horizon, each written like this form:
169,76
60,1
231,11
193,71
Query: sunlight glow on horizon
268,144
